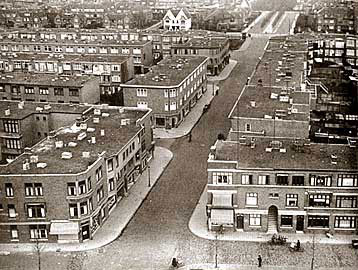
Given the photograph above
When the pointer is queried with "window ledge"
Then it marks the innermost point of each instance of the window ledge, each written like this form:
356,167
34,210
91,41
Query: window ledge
255,226
344,229
292,207
252,206
14,240
318,228
275,198
40,240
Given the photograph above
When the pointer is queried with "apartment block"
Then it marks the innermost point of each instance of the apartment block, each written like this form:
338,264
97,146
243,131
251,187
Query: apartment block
50,88
171,89
64,188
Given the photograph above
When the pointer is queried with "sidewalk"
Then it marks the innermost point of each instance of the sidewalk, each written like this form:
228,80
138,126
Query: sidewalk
194,115
198,226
251,267
118,219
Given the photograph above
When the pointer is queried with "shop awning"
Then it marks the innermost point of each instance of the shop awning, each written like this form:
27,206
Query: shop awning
64,228
222,199
222,216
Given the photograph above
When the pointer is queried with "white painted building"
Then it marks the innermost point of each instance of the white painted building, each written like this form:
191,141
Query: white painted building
177,20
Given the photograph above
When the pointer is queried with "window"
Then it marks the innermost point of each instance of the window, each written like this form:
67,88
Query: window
291,200
29,90
12,144
38,232
172,92
99,173
298,180
255,220
82,187
246,179
251,198
318,221
345,222
15,90
273,195
38,189
11,210
83,208
282,179
58,91
14,233
2,88
110,165
142,104
111,184
11,126
141,92
71,189
248,127
36,211
264,179
347,180
346,201
29,189
89,183
222,178
73,92
320,180
9,190
73,210
322,200
43,91
100,194
90,203
286,221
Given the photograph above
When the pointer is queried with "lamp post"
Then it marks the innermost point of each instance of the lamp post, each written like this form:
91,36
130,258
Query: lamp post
149,176
312,262
220,231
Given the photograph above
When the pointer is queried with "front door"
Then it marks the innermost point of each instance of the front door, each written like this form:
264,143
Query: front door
240,222
85,232
300,223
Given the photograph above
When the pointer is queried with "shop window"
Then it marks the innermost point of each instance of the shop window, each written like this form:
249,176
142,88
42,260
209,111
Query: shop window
286,221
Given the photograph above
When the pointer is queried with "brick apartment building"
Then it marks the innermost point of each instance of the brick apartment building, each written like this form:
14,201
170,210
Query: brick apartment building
65,187
171,89
112,70
215,48
268,176
23,124
50,88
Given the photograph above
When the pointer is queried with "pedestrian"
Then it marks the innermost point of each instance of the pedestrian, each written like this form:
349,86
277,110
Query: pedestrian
298,245
259,260
190,136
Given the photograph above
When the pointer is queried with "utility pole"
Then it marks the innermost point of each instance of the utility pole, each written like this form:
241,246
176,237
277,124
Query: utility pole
149,176
312,262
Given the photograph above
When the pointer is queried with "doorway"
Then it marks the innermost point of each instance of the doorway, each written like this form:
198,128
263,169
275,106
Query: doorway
240,222
85,232
300,223
272,219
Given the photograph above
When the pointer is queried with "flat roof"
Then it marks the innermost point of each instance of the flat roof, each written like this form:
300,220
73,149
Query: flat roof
203,43
260,101
305,157
171,71
45,79
29,108
66,57
116,136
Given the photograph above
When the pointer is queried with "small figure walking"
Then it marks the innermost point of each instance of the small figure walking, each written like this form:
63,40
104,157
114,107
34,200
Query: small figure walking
259,259
190,136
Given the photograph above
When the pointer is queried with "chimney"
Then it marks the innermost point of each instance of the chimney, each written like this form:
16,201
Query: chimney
102,132
26,165
93,140
7,112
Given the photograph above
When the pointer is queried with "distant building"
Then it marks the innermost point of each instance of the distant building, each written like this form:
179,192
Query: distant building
171,89
176,20
65,187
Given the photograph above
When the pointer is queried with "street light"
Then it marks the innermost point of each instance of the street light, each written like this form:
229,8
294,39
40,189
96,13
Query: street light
149,176
220,231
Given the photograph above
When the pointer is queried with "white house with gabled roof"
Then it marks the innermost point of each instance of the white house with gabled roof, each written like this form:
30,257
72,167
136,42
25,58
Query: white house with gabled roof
175,20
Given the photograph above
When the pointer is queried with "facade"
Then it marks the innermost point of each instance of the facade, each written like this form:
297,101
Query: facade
170,89
64,188
23,124
50,88
283,186
175,20
141,51
111,70
215,48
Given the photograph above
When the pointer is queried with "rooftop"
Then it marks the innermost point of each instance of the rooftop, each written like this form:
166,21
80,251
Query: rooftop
264,102
286,154
46,79
169,72
65,57
203,43
83,144
20,110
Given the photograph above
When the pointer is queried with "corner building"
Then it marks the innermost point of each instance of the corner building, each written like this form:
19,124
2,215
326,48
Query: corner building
64,188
